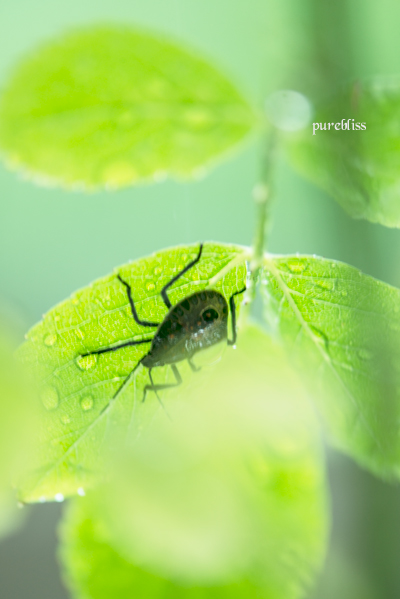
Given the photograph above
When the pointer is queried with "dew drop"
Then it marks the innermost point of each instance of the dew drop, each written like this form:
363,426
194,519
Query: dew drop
59,497
57,318
319,335
296,266
344,292
158,270
75,301
87,362
65,419
195,276
50,340
49,397
81,492
87,403
327,284
150,286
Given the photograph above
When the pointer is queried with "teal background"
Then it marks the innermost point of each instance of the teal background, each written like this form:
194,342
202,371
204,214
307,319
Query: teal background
53,242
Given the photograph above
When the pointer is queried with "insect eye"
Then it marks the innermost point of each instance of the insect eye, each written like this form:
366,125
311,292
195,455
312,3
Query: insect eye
209,315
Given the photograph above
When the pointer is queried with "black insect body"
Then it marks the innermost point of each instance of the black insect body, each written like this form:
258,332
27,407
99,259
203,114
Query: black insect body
195,323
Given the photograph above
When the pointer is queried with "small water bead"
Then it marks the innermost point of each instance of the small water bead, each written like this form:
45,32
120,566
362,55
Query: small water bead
65,419
87,403
59,497
75,300
296,266
158,270
49,397
50,340
327,284
319,335
87,362
150,286
81,492
57,318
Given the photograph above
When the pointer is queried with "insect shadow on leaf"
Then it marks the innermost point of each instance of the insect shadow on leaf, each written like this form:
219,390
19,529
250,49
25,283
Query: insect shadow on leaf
195,323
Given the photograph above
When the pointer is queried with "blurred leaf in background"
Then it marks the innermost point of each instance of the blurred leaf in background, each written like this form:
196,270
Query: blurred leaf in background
111,106
229,494
16,426
358,167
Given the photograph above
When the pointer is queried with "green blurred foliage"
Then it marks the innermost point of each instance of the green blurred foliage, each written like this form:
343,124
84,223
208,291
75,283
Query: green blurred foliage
230,489
359,168
17,416
113,106
64,240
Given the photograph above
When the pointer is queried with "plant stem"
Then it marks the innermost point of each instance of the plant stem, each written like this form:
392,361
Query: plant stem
263,194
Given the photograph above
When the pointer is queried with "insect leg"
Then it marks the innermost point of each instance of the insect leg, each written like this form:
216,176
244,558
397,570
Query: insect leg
233,315
143,323
104,350
193,365
126,381
156,388
176,277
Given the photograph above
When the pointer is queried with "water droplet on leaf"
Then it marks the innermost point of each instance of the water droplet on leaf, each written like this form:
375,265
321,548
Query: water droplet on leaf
49,397
87,403
319,336
50,340
87,362
80,334
296,266
150,286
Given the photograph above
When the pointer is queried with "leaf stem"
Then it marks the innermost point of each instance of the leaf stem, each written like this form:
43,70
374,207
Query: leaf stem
263,194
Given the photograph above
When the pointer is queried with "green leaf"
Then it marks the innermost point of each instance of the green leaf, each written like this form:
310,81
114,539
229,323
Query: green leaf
15,415
93,569
226,499
111,106
359,168
342,328
78,416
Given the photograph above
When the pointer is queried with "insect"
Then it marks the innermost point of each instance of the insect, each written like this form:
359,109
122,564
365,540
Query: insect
198,321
